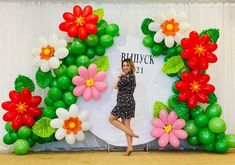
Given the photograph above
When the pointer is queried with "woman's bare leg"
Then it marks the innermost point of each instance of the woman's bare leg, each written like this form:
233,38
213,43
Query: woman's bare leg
114,120
129,139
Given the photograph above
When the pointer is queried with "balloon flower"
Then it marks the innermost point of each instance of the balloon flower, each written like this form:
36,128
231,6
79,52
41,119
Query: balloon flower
89,83
49,52
194,88
79,23
70,124
168,128
198,50
169,27
22,109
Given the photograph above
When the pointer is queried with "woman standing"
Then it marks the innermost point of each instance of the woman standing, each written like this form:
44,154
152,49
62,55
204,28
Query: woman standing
125,108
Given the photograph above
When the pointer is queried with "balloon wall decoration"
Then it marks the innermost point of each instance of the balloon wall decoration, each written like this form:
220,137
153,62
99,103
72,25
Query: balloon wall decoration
187,56
67,70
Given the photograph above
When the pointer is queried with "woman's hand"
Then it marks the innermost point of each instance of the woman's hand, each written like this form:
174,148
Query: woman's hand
121,74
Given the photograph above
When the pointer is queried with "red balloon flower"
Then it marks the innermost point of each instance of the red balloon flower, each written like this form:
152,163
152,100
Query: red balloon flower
194,88
198,51
22,108
79,23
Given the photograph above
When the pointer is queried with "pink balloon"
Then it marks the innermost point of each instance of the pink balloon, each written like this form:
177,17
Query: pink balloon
157,132
179,124
78,80
156,122
172,117
163,116
100,76
87,94
92,70
78,90
163,140
174,141
83,72
181,134
95,93
101,86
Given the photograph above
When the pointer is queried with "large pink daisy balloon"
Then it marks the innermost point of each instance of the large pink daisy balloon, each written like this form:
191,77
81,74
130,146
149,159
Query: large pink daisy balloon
89,83
168,128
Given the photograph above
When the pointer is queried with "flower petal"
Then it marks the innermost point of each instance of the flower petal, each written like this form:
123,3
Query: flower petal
159,17
87,95
52,39
61,53
37,61
174,141
54,62
83,72
157,123
78,80
184,27
79,90
92,70
62,113
42,41
100,76
60,134
83,116
163,140
45,67
95,93
158,37
163,114
181,134
73,110
169,41
86,126
80,136
172,117
178,124
157,132
154,26
101,86
181,17
70,139
56,123
171,13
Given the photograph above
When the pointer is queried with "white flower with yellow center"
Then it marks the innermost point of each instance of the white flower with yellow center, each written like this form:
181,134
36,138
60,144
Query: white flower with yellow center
49,52
169,27
70,124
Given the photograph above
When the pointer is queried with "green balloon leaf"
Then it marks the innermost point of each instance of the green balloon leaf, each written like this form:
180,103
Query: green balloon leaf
212,98
24,82
181,110
213,33
173,65
172,100
144,26
43,79
158,105
99,12
102,63
42,128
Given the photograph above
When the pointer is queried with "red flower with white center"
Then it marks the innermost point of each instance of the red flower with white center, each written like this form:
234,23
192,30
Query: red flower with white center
194,88
22,108
198,50
79,23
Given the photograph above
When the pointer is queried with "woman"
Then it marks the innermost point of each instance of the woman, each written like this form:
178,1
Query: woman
125,108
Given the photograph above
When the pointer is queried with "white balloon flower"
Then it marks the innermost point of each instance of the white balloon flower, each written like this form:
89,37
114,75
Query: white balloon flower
49,52
170,27
70,124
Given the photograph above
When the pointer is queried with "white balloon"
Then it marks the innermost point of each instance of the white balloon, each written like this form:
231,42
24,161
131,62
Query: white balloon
45,67
53,39
184,27
181,17
86,126
36,51
171,13
80,136
154,26
178,37
70,139
42,41
83,116
60,134
54,62
158,37
159,18
61,53
56,123
169,41
73,110
37,61
61,43
62,113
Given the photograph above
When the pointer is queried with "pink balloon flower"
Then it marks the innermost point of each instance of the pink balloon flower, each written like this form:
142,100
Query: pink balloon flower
168,128
89,82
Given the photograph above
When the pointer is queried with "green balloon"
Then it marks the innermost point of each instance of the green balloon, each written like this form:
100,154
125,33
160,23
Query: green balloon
60,71
179,49
191,128
221,146
219,136
230,138
196,111
71,88
70,60
21,146
217,125
101,30
182,70
82,61
49,139
78,47
148,41
112,29
157,50
102,22
213,110
55,93
206,136
72,71
9,128
201,120
64,82
90,52
59,104
171,51
54,83
174,90
32,142
7,139
49,112
69,98
92,40
24,132
35,137
99,50
193,140
209,147
48,101
14,136
106,40
69,44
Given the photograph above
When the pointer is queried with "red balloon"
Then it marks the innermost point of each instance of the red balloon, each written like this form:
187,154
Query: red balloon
65,26
92,19
91,28
202,97
183,96
87,11
25,93
82,33
14,96
192,101
77,10
73,31
69,16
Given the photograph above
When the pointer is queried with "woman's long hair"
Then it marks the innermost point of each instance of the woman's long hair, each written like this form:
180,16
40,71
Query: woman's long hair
130,63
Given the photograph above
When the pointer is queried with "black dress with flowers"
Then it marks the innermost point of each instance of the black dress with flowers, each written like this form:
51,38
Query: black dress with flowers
125,107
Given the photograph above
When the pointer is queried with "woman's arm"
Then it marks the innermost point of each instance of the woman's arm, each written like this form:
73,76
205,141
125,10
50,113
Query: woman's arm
116,83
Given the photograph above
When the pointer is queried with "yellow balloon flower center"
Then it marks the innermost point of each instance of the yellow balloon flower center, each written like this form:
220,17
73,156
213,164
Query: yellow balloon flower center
195,86
80,21
199,50
47,52
169,27
21,107
90,82
168,128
